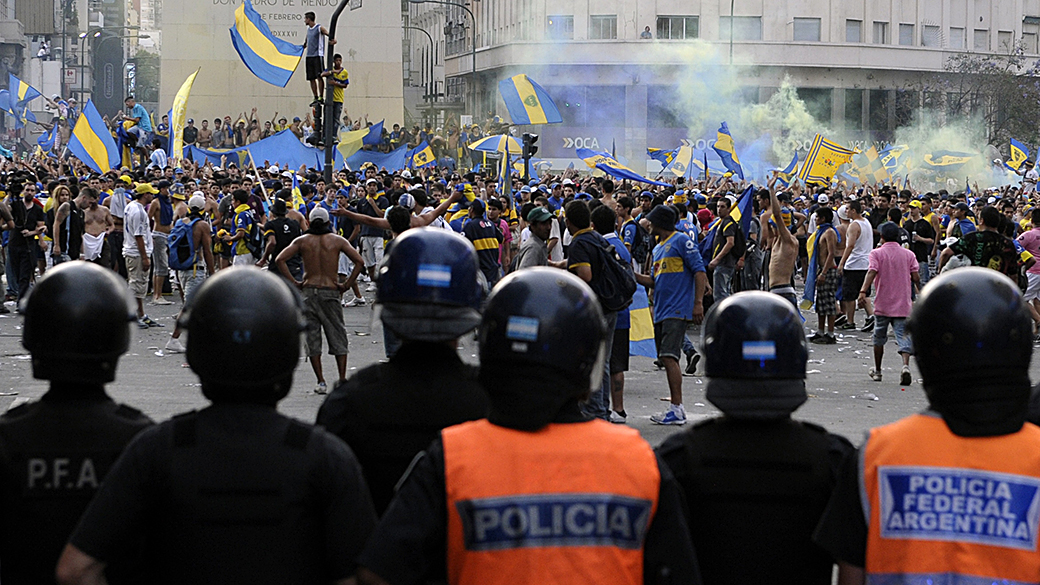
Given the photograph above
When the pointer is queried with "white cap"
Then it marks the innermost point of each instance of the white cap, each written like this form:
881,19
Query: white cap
197,201
568,182
732,200
319,214
991,200
287,174
273,169
823,199
843,212
371,182
406,174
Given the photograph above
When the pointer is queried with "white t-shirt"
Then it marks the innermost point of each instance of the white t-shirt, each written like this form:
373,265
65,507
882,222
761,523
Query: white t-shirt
118,203
135,223
556,254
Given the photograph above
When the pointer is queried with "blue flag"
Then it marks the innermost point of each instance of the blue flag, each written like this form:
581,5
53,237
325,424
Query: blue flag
784,177
528,102
727,151
665,157
610,166
92,143
21,92
375,134
47,139
267,56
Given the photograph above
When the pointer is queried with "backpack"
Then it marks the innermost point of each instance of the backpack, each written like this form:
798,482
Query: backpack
739,239
255,240
617,284
640,243
182,245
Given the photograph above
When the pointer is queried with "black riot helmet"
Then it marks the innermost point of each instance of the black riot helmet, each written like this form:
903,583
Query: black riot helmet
428,286
755,355
973,340
539,324
244,335
77,324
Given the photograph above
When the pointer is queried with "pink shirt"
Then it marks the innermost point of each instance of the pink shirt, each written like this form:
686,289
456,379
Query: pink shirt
1031,242
893,265
507,238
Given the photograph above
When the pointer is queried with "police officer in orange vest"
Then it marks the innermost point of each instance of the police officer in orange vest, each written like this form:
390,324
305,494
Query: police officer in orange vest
55,452
757,482
536,493
951,495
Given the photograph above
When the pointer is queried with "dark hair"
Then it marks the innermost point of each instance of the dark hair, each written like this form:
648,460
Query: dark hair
627,202
337,56
156,142
527,207
240,196
856,206
309,15
894,215
495,203
399,218
991,216
578,214
1035,217
680,208
604,220
825,214
607,186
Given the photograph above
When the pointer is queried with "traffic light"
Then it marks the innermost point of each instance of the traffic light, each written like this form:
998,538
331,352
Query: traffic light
530,149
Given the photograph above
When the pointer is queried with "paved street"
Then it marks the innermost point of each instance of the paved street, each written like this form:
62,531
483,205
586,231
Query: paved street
162,385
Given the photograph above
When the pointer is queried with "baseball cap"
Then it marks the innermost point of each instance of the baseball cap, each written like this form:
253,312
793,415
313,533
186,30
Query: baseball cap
163,185
843,212
962,206
823,199
197,201
319,214
296,119
733,200
915,203
538,214
525,189
190,120
645,195
477,204
371,182
143,188
567,182
273,169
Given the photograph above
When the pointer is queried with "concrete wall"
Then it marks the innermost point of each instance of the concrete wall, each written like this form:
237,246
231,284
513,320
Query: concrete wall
195,33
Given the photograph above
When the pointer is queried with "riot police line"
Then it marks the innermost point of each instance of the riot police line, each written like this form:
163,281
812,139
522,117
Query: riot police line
494,474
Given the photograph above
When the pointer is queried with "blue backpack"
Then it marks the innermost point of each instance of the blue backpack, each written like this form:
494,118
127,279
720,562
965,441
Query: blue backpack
182,245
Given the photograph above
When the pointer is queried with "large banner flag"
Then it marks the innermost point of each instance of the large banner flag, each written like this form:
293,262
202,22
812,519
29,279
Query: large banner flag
871,169
809,293
727,151
374,135
420,156
823,161
896,158
610,166
1019,154
946,160
179,116
528,102
641,334
682,162
267,56
92,143
742,213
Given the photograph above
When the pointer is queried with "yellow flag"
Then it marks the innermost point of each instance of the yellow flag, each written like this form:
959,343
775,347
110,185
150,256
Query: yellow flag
179,115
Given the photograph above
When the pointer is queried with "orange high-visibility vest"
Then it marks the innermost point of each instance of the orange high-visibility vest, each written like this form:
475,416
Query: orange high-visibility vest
947,509
570,503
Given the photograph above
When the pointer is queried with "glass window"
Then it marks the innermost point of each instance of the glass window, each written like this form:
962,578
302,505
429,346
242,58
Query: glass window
807,29
878,115
1029,43
853,31
560,27
745,28
880,33
981,42
931,37
956,37
678,27
661,110
818,102
1005,44
906,34
853,109
603,26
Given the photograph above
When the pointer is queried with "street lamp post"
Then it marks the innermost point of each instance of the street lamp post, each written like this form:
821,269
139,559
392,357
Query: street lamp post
432,66
101,43
82,52
473,73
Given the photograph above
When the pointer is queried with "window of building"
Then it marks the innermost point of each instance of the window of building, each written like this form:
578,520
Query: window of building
818,102
1029,43
877,117
1005,42
880,33
853,31
678,27
603,26
981,42
906,34
745,28
661,111
560,27
853,109
931,37
956,37
807,29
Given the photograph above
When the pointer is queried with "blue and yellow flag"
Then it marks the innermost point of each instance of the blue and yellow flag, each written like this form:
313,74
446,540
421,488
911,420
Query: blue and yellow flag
641,334
92,143
528,102
871,169
610,166
420,156
297,196
374,135
267,56
1019,154
823,161
784,177
809,293
896,158
744,211
21,92
727,151
946,160
665,157
47,139
179,116
682,163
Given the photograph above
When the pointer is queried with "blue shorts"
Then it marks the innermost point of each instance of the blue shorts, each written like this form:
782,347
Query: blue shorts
881,323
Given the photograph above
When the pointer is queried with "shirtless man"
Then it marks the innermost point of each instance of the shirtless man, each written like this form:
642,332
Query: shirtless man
162,223
98,224
783,251
417,220
320,250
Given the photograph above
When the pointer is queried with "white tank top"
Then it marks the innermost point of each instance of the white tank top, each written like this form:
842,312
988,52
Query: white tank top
859,259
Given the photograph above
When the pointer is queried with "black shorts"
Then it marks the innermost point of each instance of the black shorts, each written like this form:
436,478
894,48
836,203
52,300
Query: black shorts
314,68
852,283
619,352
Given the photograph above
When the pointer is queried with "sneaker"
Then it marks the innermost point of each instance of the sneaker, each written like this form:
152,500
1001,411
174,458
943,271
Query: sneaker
1036,340
161,301
829,339
841,320
875,375
174,346
371,287
868,326
321,388
618,418
904,377
658,364
3,309
692,359
675,415
846,326
315,102
355,302
142,324
148,321
817,338
364,278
